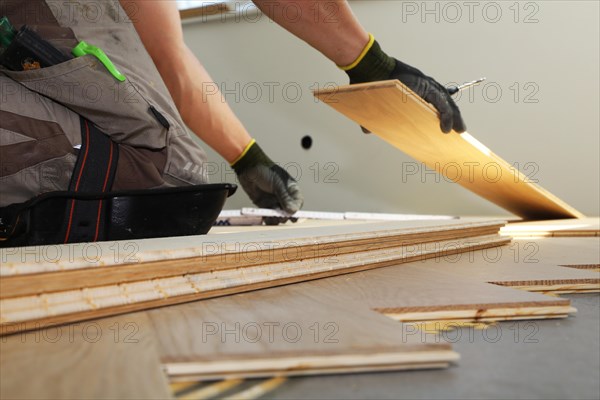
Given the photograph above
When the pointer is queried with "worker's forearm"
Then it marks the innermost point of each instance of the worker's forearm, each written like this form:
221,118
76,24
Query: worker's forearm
204,111
327,25
202,106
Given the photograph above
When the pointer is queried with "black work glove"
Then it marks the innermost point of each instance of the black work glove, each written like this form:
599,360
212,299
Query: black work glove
267,184
378,66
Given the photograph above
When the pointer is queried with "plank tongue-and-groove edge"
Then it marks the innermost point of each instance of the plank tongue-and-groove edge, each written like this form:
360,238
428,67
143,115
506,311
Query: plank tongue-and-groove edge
71,289
220,252
396,114
30,312
63,258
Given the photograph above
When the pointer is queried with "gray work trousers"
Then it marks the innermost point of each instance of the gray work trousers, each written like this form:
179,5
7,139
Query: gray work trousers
40,109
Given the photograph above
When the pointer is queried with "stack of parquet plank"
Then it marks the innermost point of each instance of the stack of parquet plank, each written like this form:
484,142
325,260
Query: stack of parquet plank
58,284
342,324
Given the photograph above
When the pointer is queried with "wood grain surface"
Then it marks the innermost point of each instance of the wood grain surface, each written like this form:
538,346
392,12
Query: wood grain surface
393,112
285,331
198,340
112,358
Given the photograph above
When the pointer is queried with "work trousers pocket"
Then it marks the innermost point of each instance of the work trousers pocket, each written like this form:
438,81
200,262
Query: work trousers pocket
85,86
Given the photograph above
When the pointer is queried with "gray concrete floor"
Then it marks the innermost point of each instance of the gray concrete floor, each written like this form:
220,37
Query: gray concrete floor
551,359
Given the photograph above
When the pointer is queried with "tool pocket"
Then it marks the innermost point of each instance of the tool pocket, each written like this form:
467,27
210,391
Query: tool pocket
117,108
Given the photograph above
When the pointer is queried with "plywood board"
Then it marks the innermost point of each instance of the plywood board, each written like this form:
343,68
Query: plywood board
584,227
393,112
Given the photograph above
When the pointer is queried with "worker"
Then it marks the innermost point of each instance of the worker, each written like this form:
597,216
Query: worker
46,113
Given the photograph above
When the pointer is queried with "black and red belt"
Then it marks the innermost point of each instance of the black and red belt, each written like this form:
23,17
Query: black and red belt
89,211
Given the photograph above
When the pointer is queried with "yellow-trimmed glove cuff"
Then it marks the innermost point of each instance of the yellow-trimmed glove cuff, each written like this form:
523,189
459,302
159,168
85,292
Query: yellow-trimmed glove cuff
252,156
373,64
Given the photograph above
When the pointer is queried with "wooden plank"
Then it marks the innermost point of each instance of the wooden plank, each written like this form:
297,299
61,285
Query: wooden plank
72,288
302,370
531,264
214,253
585,227
75,305
397,115
297,364
428,287
586,267
44,259
555,251
114,358
285,331
217,338
473,315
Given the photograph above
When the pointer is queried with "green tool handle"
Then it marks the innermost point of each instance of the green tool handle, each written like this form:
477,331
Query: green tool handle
7,32
84,48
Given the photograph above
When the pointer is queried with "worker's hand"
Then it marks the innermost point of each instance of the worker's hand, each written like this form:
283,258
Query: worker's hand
376,65
432,92
266,183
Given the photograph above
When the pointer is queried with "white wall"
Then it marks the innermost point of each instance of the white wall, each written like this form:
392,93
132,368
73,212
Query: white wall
557,54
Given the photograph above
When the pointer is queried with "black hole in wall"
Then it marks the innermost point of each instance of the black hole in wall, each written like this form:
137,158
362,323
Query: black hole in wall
306,142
